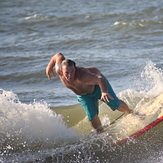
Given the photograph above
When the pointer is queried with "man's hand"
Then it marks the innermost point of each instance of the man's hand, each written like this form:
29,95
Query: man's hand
105,97
49,70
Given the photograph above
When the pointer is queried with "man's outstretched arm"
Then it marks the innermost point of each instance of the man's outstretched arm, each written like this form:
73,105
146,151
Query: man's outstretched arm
56,59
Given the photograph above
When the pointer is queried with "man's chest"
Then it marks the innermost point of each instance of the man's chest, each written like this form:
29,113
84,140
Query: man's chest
76,84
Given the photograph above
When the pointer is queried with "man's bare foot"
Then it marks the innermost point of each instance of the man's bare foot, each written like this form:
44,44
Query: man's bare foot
140,115
99,129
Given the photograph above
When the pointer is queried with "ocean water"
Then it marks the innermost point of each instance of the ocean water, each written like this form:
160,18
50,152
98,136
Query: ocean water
124,39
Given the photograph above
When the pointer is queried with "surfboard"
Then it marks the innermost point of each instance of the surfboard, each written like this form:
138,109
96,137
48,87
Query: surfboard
74,115
133,126
121,127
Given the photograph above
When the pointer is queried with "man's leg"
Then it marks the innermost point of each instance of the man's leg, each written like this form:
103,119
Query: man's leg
124,108
96,123
90,106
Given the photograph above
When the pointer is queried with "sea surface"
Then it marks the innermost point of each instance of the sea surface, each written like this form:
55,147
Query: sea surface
124,39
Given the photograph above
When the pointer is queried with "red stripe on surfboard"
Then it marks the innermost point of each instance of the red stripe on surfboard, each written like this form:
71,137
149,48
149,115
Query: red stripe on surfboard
148,127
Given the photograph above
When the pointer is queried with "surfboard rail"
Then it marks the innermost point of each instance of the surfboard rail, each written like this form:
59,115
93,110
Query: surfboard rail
140,132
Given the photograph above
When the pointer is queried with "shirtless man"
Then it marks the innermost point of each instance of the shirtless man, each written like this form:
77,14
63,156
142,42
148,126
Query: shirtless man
89,85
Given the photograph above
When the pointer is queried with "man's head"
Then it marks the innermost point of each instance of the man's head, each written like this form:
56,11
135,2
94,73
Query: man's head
68,68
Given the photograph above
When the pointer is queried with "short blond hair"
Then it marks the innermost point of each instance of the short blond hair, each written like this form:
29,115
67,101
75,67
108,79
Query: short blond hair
67,62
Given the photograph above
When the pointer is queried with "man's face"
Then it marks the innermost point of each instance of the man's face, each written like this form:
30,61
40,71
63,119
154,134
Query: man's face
68,72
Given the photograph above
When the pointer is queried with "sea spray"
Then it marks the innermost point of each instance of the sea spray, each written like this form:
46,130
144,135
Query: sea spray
146,84
29,126
150,80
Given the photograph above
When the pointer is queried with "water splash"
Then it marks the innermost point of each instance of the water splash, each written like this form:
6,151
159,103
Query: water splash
146,85
152,79
29,126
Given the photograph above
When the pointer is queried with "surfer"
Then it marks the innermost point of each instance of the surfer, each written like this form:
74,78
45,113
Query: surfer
89,84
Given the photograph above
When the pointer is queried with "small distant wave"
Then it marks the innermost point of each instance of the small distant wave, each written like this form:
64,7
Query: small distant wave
36,16
143,24
133,23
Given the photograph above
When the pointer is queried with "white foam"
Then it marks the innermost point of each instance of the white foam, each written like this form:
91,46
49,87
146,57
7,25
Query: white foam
146,85
152,78
30,124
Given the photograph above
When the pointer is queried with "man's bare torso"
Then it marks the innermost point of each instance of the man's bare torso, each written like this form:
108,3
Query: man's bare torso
77,85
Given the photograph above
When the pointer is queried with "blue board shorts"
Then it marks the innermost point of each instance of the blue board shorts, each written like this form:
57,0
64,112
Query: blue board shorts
90,101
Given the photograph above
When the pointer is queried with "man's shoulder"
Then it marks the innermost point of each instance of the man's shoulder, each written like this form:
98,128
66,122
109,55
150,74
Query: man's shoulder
92,70
81,72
